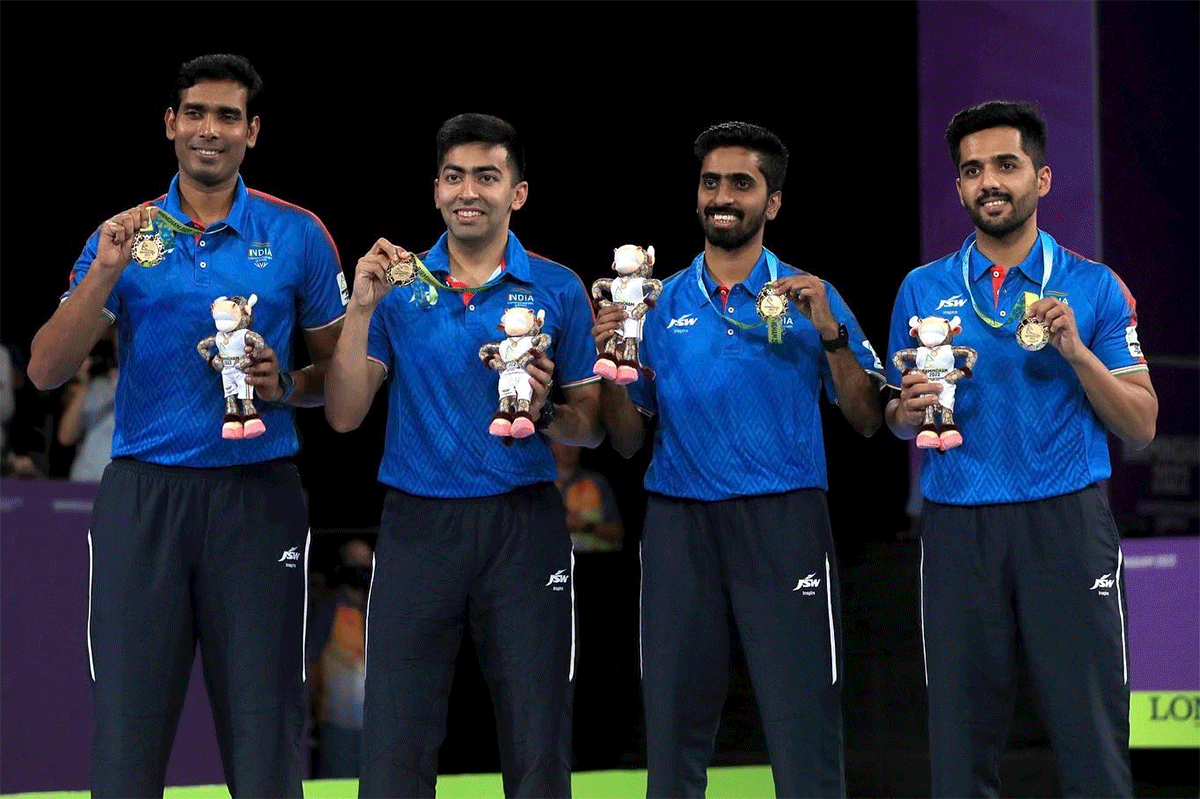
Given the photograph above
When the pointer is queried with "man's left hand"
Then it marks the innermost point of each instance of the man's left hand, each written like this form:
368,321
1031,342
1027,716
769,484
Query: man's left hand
808,294
1060,319
263,373
541,377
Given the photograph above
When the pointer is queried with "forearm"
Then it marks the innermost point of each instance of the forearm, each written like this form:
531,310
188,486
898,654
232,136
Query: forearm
624,422
349,384
578,421
69,335
857,396
1127,405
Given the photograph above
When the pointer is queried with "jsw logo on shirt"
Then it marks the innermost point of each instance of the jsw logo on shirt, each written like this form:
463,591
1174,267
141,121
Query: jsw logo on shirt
289,558
687,320
558,579
809,582
1105,581
957,301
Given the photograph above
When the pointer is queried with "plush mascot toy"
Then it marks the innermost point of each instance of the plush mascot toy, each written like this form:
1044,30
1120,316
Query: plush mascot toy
233,317
935,358
636,291
510,357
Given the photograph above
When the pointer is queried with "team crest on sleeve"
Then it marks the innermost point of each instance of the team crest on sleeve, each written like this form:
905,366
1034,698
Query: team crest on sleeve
343,289
260,253
1131,341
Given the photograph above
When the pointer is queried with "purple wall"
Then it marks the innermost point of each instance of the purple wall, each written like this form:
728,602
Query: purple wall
45,690
1040,52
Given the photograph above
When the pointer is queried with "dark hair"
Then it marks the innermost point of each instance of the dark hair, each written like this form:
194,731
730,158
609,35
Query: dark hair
482,129
772,154
1000,114
216,67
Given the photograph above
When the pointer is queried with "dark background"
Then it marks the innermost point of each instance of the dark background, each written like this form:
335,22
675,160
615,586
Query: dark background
608,97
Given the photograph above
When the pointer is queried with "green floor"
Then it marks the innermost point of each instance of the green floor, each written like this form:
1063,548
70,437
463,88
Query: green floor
735,782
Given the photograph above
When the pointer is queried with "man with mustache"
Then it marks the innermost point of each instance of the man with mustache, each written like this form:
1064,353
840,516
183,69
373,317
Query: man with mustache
1019,548
736,537
473,528
196,537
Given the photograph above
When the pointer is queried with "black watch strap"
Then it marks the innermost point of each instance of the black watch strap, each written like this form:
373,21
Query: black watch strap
287,382
842,340
546,417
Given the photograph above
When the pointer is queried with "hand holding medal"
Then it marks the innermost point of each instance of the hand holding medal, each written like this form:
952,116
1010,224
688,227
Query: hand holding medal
1052,322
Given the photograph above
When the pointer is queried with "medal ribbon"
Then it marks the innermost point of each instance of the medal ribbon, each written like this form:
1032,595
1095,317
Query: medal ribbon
429,278
775,327
1019,306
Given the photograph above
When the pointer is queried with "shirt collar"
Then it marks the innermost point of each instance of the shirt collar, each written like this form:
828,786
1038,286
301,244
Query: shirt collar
1031,266
753,283
516,259
238,217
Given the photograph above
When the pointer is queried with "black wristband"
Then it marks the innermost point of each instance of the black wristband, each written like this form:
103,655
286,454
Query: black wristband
546,417
842,340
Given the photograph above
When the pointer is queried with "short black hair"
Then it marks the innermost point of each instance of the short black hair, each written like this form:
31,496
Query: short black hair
482,129
1000,114
772,153
217,67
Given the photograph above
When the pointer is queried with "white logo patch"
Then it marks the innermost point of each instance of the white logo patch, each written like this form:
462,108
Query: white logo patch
558,580
260,253
289,558
957,301
808,584
1131,341
520,298
687,320
1102,584
878,363
343,289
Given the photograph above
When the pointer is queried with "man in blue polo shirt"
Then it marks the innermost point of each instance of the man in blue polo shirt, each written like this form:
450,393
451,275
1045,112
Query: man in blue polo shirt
196,536
473,527
737,537
1019,548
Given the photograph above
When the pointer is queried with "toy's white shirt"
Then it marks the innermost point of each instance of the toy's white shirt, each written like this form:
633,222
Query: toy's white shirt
231,347
935,363
514,381
629,292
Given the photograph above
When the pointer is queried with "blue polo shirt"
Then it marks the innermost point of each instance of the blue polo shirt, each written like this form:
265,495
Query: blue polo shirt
170,403
441,398
1028,429
737,415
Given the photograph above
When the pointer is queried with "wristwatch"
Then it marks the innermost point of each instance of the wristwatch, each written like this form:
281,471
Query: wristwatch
546,418
287,382
842,340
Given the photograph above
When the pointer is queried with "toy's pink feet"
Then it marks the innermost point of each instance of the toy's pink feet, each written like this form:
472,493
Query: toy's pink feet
606,369
233,430
927,439
949,440
253,427
626,375
500,427
522,427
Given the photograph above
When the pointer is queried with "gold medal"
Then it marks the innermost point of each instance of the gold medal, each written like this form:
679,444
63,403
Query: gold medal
148,248
404,271
1032,333
771,307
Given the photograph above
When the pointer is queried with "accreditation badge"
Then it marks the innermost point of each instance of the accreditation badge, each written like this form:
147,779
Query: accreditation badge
771,308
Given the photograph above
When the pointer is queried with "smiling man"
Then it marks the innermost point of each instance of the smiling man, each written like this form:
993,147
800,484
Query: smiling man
737,538
1019,549
473,528
196,535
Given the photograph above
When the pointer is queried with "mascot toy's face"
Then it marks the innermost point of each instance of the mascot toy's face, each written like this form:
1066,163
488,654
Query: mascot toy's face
231,313
629,258
518,322
933,331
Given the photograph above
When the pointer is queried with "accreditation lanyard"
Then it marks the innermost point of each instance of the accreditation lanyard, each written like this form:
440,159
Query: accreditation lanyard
698,268
1019,306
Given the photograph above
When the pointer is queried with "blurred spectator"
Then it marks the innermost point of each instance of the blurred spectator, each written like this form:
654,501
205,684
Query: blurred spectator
337,663
30,432
87,421
8,399
592,514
